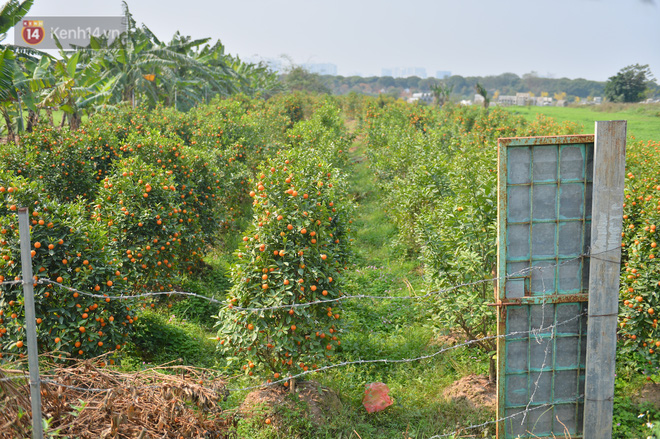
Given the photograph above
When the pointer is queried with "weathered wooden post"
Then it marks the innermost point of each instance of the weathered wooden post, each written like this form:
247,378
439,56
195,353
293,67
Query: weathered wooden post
606,227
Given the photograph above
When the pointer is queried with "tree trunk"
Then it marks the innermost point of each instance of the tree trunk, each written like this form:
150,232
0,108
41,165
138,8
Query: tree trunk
10,127
32,120
74,121
492,369
49,114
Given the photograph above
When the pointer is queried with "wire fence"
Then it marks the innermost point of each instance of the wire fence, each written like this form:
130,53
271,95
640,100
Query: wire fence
228,305
262,385
533,332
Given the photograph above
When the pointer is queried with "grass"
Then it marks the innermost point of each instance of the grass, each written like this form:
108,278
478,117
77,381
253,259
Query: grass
643,119
161,338
392,329
58,115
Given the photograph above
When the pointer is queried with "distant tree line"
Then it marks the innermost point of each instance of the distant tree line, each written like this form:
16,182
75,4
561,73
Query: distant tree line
463,87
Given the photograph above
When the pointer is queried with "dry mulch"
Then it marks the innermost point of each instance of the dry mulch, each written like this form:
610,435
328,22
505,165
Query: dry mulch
167,401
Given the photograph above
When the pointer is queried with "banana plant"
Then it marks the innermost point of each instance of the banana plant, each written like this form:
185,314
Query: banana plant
10,67
11,13
78,87
145,69
36,79
259,80
8,95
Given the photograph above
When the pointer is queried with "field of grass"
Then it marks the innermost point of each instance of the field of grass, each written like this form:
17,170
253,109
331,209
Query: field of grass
643,120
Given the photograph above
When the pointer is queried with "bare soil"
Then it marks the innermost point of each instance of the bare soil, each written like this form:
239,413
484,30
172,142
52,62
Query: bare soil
475,389
319,403
650,393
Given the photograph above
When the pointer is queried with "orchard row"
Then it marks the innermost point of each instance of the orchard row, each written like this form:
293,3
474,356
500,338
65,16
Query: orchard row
438,172
129,202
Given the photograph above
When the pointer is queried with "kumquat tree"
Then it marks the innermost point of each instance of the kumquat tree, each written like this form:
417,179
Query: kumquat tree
640,274
437,172
67,249
127,203
284,310
294,254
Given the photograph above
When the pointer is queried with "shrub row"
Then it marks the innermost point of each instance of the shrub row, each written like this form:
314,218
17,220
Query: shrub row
129,202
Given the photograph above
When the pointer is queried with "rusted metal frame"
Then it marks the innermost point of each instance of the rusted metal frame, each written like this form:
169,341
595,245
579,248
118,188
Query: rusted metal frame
540,300
546,140
501,301
501,282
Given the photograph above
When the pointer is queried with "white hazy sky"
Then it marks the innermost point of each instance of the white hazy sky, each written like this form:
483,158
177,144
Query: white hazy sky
590,39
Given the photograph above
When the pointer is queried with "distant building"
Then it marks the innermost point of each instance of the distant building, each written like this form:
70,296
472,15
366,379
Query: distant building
273,64
542,101
423,97
405,72
420,72
442,74
506,101
522,99
321,68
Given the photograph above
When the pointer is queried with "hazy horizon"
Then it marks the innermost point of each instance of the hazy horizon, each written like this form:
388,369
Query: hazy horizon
590,39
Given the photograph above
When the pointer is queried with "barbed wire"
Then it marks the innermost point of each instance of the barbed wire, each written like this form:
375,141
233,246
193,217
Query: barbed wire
347,363
11,282
45,280
497,421
230,306
532,331
410,360
18,377
468,343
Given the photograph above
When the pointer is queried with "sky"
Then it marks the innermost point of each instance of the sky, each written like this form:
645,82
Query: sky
591,39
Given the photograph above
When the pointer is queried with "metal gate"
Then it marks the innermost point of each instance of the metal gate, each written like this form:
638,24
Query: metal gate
544,225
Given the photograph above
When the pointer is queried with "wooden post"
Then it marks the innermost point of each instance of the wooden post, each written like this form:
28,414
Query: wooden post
30,322
605,265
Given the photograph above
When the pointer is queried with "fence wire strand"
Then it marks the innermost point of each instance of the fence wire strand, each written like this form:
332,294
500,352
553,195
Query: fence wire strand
229,306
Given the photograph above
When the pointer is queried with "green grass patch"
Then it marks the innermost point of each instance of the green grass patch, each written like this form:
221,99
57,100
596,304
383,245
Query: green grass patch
161,338
643,119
